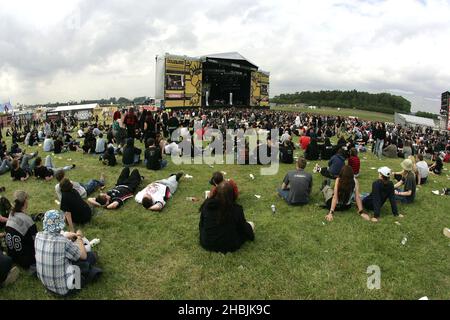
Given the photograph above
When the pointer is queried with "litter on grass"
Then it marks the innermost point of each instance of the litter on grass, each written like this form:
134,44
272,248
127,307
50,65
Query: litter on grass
397,223
404,240
188,176
373,168
258,196
436,192
252,176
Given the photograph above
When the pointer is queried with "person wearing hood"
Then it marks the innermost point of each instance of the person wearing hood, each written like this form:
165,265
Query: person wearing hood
131,154
335,165
58,253
223,227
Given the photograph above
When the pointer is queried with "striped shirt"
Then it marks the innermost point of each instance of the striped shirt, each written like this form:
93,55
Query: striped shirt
54,256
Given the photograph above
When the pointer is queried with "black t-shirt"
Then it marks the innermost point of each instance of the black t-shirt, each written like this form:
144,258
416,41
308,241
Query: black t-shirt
73,203
120,194
18,174
153,157
286,154
42,172
58,146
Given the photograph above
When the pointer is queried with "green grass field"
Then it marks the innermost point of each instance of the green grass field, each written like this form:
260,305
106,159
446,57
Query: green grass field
362,114
296,253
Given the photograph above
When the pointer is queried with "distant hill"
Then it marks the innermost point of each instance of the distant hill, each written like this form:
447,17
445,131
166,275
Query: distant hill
379,102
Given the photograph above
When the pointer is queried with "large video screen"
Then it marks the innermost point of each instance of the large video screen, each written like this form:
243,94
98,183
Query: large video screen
174,82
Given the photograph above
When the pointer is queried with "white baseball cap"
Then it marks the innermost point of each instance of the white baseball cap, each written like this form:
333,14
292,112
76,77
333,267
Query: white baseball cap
385,172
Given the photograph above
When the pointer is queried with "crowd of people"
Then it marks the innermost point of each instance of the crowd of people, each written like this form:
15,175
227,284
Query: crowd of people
51,252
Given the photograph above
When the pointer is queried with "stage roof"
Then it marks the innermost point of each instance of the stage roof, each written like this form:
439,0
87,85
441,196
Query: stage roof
235,56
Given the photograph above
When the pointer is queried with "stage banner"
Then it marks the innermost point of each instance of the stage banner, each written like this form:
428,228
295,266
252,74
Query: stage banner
193,93
259,89
183,82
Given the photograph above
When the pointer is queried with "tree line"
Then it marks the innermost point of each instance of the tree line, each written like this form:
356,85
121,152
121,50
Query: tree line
379,102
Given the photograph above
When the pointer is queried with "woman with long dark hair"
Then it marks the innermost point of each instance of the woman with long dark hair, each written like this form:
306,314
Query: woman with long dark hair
223,227
346,189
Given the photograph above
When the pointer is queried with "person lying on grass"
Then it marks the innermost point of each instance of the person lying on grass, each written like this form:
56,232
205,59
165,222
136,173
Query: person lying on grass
47,171
84,189
346,189
154,196
125,188
382,189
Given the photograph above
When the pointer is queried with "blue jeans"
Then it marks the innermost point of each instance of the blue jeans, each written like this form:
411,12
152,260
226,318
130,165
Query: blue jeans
284,194
92,185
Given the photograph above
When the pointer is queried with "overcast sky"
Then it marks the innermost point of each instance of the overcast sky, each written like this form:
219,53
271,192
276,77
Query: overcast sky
84,49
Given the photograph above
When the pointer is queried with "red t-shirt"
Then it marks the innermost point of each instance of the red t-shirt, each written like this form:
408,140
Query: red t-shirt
355,163
304,142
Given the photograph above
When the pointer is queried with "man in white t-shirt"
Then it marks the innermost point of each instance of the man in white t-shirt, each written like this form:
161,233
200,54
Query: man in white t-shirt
154,196
422,168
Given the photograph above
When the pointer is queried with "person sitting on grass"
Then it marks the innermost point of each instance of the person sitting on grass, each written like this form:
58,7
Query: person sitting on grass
153,156
328,150
406,178
223,227
312,152
354,162
75,208
47,171
154,196
48,144
297,185
287,151
125,188
131,154
17,172
422,170
382,190
25,169
346,190
109,157
20,232
216,179
438,165
334,165
100,145
56,253
84,189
